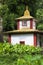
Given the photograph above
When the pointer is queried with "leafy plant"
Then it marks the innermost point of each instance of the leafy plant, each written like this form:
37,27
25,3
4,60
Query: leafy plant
20,55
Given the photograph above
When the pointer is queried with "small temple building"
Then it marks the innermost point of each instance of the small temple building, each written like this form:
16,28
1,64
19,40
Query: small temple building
26,32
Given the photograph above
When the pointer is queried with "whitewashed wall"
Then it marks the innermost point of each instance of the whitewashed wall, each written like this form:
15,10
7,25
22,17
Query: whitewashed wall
34,25
28,38
28,25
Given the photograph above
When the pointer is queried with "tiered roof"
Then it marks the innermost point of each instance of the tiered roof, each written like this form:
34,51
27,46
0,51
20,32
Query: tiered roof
26,15
24,30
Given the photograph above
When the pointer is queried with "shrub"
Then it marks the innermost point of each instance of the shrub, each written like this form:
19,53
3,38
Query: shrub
20,55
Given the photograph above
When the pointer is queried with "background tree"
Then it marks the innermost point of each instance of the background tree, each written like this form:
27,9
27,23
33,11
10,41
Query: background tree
12,9
39,16
40,19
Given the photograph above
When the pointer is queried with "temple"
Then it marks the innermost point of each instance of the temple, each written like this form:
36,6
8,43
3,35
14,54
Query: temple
26,32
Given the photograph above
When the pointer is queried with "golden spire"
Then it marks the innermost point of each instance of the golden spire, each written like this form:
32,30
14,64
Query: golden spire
26,13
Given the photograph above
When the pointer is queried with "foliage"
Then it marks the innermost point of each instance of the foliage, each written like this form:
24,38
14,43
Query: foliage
10,22
39,16
20,55
15,8
40,27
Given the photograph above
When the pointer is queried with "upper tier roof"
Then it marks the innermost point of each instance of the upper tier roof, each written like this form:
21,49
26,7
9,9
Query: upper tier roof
26,15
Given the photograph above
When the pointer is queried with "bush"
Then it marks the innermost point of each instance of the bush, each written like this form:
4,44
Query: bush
20,55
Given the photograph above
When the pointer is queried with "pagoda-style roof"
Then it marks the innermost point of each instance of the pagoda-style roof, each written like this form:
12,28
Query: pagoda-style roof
26,15
23,31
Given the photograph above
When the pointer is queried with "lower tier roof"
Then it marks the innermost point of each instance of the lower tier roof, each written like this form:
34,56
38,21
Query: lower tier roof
23,31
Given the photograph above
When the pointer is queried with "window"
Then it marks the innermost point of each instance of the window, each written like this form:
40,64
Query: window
24,23
22,42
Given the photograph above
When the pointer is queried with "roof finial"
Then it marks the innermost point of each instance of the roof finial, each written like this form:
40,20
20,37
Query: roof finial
26,7
26,13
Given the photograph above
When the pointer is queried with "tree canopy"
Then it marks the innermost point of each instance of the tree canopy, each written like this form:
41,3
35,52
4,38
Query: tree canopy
11,9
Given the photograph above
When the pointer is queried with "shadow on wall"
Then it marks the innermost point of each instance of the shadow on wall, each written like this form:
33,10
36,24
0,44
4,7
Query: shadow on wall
1,37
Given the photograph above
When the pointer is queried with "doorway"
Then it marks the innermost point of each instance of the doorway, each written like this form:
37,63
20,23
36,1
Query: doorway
22,42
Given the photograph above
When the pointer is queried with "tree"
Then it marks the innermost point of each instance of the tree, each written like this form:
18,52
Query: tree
12,9
8,23
39,16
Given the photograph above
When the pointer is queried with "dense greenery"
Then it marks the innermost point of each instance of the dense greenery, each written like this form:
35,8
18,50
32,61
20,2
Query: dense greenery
20,55
11,9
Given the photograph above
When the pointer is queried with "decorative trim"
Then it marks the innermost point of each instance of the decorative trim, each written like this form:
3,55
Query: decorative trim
35,40
31,24
18,25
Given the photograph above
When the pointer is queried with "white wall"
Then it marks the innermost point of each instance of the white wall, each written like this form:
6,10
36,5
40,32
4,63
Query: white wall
28,25
28,38
34,25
